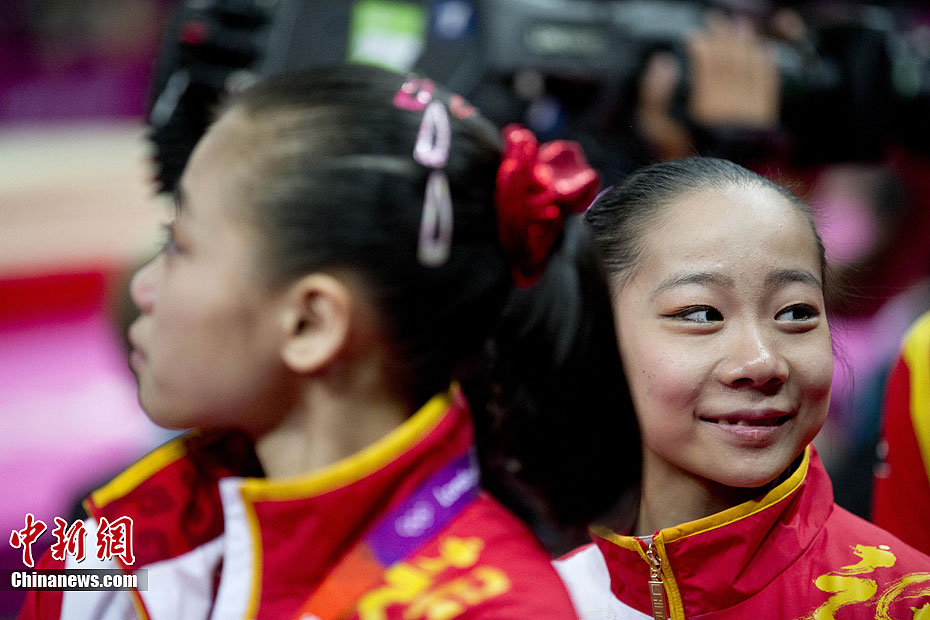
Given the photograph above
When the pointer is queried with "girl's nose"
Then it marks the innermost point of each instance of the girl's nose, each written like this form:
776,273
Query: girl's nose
142,287
754,362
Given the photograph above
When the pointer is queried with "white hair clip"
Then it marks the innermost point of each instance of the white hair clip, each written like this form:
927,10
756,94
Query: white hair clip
435,243
432,151
434,137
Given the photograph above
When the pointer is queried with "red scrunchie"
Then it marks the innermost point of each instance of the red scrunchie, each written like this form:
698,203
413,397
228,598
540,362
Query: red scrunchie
536,187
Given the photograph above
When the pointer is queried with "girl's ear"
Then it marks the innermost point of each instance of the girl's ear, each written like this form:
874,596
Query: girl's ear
316,321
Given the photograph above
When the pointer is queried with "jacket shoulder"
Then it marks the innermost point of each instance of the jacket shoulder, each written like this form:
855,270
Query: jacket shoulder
849,536
485,564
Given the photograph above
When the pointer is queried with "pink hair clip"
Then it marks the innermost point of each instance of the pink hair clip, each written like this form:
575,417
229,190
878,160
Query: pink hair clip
414,94
431,150
434,137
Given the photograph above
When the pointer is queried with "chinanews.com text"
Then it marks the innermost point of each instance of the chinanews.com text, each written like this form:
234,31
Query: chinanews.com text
74,579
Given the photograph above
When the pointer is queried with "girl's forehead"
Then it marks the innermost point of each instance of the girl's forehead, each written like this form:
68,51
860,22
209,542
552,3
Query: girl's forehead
732,226
221,166
727,212
726,201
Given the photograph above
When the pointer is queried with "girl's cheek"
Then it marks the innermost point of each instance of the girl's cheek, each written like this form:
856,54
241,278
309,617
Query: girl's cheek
817,367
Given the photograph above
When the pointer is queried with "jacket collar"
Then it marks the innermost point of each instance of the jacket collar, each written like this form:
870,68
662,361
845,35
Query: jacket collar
194,489
721,560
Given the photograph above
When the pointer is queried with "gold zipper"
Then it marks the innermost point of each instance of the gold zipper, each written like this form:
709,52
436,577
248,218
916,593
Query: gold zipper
656,588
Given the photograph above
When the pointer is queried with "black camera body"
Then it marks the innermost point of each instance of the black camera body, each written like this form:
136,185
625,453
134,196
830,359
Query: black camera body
860,80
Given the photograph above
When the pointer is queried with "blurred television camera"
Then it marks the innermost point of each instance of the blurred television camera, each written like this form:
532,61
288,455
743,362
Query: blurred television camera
850,78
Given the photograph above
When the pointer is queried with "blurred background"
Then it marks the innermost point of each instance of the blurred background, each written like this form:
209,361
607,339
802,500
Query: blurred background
77,209
101,102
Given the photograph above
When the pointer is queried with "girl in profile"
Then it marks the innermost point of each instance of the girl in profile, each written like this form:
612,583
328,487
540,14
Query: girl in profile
718,280
373,309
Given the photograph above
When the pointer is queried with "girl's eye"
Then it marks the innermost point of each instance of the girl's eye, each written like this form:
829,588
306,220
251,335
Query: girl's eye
169,245
698,314
797,312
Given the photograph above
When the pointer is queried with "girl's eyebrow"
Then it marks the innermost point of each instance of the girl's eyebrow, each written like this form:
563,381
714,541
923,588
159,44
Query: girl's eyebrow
706,278
787,276
776,278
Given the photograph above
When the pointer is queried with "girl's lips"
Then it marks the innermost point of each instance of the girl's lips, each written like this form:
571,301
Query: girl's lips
750,428
765,417
773,421
136,359
135,349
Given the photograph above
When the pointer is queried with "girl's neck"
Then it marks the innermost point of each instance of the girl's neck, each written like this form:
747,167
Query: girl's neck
327,427
671,496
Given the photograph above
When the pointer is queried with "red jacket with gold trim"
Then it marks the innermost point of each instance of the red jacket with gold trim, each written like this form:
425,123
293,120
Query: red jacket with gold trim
901,498
218,541
792,554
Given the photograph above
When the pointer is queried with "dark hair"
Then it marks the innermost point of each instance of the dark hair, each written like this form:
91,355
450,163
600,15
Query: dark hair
557,431
338,189
620,216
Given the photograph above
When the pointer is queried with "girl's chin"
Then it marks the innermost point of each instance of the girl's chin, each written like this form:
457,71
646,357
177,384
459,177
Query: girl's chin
758,478
164,417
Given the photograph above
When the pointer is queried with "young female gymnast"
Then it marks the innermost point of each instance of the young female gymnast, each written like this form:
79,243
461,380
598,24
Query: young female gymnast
718,279
344,246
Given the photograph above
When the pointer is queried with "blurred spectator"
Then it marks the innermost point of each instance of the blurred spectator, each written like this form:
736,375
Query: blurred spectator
77,59
873,220
902,481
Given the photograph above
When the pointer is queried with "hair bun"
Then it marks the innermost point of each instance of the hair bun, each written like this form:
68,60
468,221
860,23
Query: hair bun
537,186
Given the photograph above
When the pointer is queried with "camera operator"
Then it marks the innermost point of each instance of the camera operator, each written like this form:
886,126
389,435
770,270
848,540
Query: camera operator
734,85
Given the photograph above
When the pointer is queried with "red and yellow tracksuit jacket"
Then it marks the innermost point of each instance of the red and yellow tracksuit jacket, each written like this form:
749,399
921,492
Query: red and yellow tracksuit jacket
901,498
791,554
398,530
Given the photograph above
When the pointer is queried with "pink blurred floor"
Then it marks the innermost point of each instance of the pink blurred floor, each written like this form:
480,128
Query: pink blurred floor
68,412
